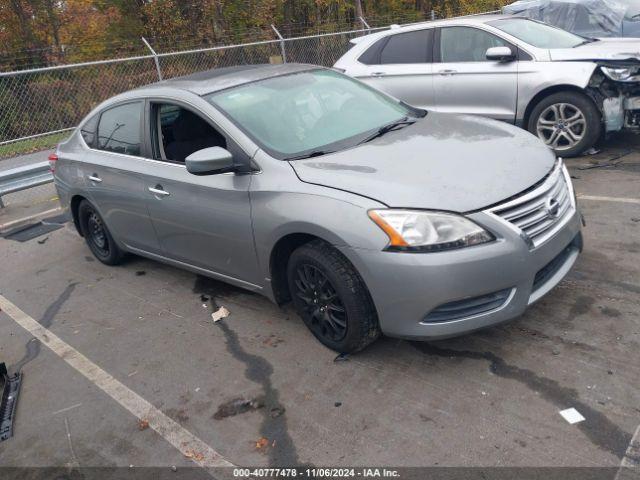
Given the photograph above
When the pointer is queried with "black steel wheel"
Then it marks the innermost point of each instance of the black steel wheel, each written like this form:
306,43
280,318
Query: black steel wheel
97,235
331,298
323,306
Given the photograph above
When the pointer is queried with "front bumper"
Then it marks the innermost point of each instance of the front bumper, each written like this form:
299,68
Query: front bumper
406,288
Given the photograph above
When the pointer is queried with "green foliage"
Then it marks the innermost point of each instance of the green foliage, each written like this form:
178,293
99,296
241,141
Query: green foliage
41,32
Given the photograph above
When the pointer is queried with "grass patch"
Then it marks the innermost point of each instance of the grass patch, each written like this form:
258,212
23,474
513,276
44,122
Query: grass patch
32,144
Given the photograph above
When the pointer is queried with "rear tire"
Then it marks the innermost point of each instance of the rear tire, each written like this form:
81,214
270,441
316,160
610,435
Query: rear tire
331,298
97,235
568,122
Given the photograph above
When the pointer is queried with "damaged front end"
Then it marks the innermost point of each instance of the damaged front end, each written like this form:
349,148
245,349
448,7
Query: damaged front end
615,87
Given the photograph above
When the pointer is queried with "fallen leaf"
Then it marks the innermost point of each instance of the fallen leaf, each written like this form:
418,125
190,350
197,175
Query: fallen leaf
143,424
193,455
262,443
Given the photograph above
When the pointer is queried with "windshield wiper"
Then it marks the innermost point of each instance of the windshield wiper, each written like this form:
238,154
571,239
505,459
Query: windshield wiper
388,128
315,153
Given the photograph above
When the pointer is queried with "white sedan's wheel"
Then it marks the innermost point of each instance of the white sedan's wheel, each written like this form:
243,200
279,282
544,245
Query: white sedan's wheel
567,122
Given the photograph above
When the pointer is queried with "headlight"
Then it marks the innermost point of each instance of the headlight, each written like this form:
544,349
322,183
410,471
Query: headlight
422,231
621,74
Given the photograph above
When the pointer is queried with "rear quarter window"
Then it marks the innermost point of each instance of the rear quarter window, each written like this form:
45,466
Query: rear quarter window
88,130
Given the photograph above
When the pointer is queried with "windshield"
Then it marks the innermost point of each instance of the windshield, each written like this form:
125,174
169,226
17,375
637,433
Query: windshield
538,34
311,112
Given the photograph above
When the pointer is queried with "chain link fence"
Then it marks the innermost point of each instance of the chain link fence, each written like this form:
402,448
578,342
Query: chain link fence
47,102
38,107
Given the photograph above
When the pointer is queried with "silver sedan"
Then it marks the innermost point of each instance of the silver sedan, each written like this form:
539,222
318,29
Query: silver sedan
300,183
566,89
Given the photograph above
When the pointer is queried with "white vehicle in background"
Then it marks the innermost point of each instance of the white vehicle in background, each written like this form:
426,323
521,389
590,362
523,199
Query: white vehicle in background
566,89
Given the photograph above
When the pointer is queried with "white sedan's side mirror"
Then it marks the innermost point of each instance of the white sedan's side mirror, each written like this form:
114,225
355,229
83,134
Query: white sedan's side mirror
500,54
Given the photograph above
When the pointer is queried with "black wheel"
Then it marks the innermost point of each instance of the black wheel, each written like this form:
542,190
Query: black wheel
568,122
97,235
331,298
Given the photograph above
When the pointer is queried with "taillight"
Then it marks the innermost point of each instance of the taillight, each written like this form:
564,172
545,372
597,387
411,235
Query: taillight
53,158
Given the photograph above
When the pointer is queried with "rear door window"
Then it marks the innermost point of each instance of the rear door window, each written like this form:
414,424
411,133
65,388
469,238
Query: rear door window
410,47
119,130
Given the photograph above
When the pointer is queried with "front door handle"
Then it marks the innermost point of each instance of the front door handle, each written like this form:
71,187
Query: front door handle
95,178
447,72
378,74
158,190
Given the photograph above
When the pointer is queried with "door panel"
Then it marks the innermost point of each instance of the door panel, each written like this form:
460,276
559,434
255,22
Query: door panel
119,197
204,221
411,83
401,67
465,82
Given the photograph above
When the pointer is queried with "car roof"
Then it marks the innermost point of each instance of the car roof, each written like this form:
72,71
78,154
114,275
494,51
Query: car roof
214,80
468,20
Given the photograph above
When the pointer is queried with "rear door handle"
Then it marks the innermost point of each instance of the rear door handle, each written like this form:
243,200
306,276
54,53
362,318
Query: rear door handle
157,190
95,178
448,72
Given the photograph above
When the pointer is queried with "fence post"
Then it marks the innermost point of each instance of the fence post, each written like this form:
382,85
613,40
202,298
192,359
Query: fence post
282,48
155,57
433,15
364,22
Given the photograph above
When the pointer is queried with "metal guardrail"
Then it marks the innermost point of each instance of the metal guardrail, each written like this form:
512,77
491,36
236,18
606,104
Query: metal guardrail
22,178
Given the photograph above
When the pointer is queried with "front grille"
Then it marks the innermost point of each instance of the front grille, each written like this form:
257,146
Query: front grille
468,307
540,212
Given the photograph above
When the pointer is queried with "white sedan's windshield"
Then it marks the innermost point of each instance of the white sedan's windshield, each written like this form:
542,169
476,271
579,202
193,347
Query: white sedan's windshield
538,34
307,112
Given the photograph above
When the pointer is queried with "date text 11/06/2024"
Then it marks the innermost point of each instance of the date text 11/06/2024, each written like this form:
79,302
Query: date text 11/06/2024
315,473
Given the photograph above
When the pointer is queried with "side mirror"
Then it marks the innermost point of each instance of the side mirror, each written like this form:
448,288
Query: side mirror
500,54
210,161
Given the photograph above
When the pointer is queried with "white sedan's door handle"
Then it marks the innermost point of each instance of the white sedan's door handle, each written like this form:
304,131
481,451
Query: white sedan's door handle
447,72
378,74
94,178
157,190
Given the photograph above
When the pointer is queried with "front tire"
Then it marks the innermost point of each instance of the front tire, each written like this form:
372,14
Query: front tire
567,122
331,298
97,235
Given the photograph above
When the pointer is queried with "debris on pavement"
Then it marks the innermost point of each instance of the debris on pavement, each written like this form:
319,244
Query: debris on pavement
140,273
9,391
343,357
193,455
337,404
262,444
219,314
275,412
143,424
237,406
571,415
43,241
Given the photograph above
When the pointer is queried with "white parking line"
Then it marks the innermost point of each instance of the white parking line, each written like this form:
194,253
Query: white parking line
186,442
609,199
630,459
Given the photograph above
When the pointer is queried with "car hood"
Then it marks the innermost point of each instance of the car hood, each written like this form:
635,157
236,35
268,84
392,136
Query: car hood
603,49
443,162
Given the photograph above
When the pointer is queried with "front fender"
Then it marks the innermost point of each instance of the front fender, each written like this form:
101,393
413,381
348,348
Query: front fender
534,78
